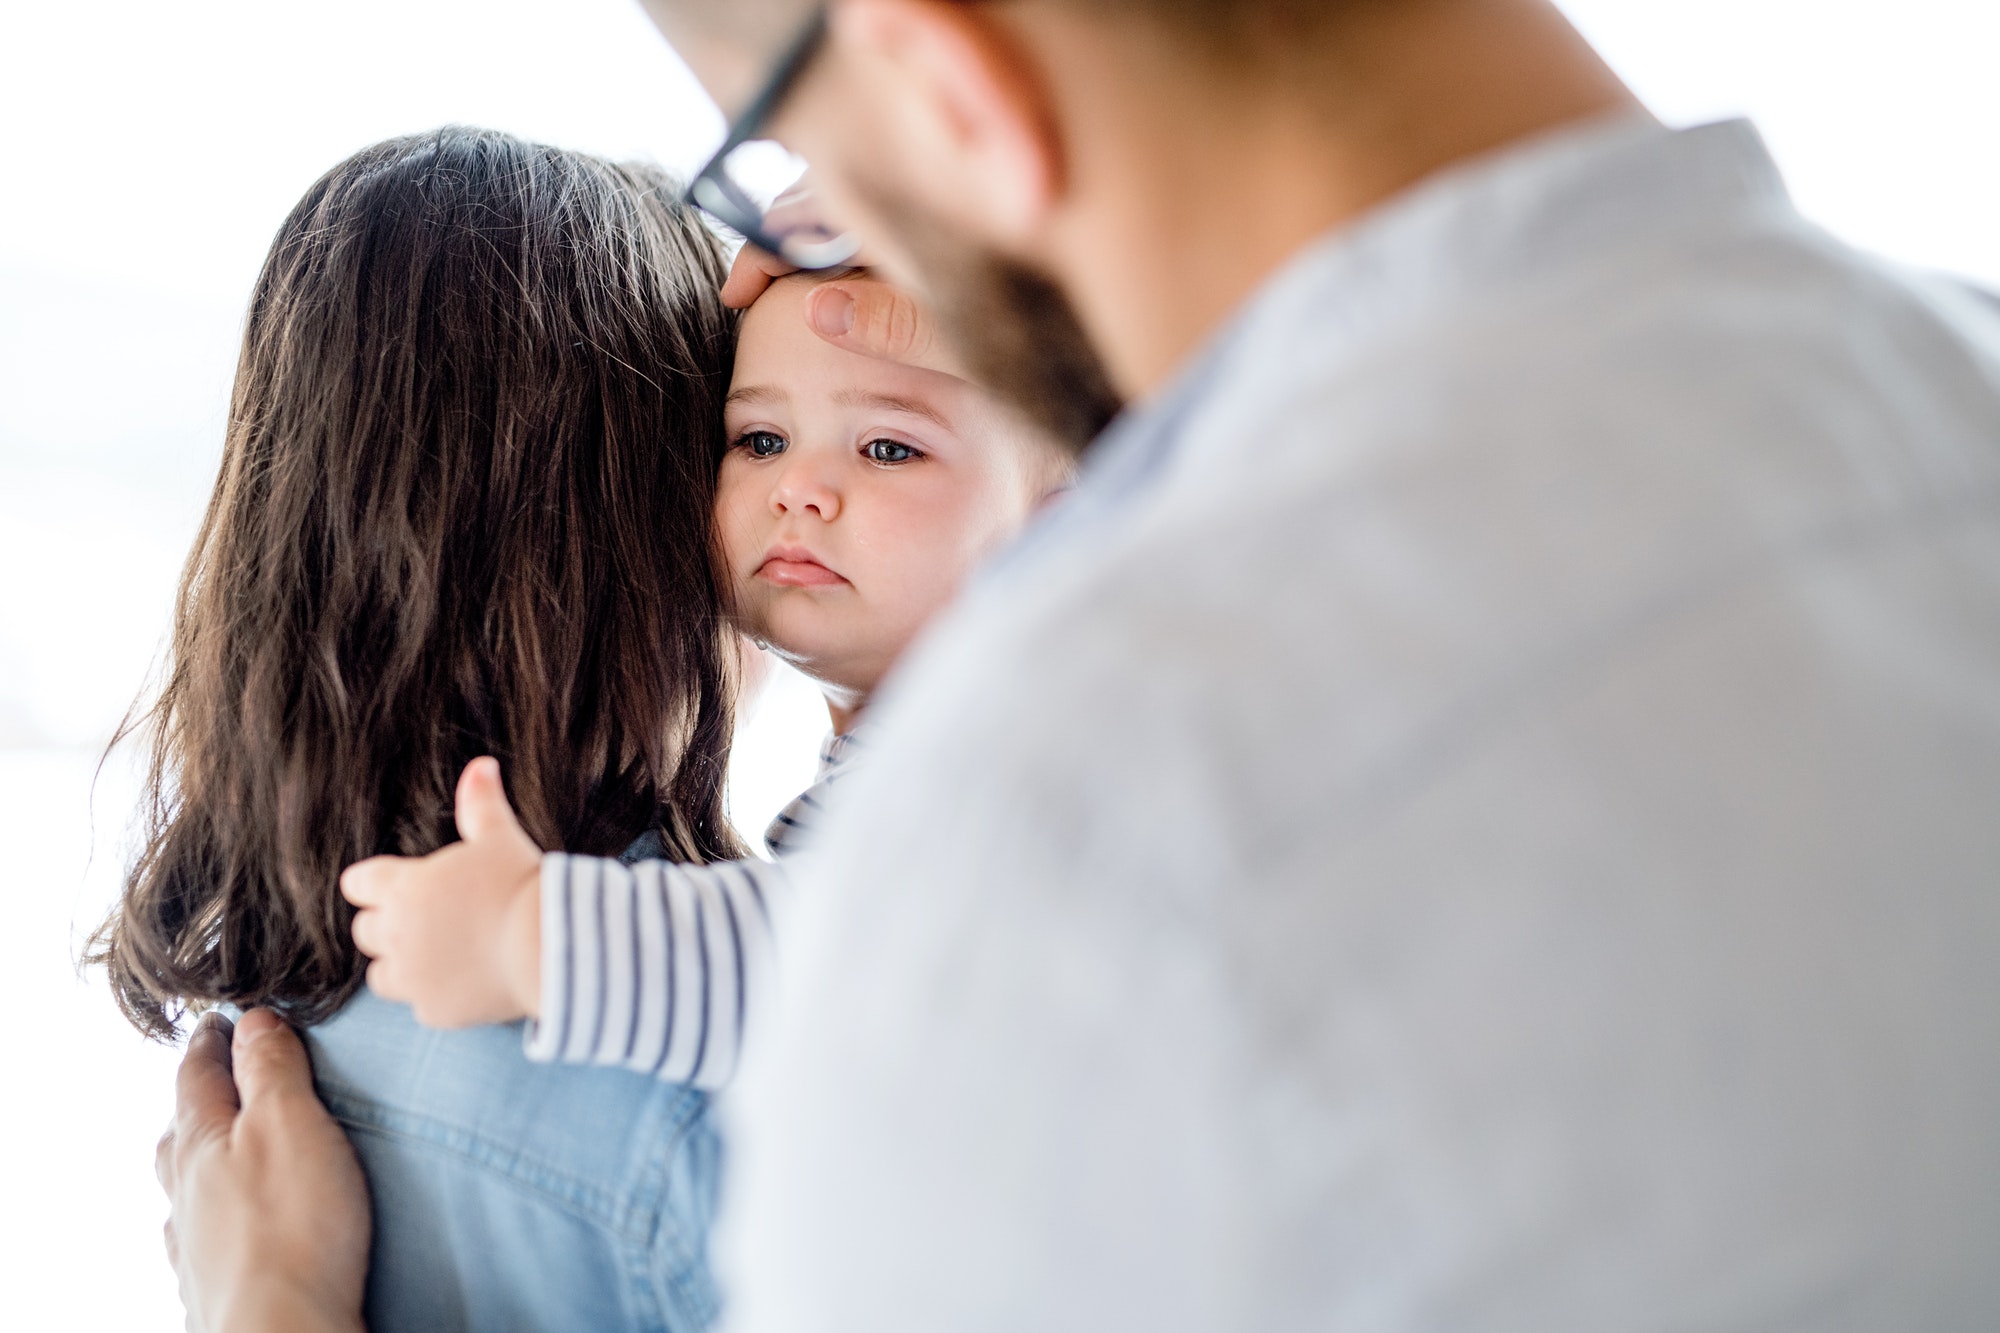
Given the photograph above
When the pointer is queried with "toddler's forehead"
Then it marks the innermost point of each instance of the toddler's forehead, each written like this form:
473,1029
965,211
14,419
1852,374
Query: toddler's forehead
774,333
778,349
789,290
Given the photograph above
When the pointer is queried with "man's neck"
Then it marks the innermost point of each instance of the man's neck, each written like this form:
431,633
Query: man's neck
1185,202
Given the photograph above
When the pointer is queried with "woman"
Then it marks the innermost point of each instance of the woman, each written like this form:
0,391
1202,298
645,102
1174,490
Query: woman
463,510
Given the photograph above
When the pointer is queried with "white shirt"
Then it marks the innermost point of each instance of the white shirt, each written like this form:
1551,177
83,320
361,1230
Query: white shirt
1484,815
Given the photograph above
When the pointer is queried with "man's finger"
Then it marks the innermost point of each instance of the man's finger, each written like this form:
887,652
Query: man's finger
753,271
367,932
205,1097
382,980
875,319
481,804
362,883
271,1062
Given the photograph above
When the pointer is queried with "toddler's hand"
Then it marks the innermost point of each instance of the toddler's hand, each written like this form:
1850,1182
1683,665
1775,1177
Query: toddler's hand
457,934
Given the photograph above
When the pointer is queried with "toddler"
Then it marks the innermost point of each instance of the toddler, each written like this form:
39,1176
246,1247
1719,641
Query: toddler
853,498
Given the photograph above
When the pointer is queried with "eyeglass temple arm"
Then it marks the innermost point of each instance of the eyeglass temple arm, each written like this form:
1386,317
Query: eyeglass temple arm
790,66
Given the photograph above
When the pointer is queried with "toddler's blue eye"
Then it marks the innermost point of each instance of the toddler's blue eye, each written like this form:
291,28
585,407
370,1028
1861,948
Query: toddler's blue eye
888,451
763,443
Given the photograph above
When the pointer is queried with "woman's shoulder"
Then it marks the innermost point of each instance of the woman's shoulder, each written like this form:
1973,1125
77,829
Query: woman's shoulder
509,1194
589,1137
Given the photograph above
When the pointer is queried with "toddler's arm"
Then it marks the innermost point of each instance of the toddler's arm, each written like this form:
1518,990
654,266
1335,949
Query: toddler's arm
659,967
656,967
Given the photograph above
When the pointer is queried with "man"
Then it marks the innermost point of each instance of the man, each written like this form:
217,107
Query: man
1480,813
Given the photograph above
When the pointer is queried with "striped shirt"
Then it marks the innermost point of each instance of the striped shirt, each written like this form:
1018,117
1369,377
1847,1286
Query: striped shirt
659,967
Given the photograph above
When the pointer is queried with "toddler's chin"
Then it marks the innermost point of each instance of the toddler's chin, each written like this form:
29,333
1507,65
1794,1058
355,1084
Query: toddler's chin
801,639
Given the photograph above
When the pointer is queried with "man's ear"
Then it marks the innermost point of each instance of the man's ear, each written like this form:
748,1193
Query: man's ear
971,115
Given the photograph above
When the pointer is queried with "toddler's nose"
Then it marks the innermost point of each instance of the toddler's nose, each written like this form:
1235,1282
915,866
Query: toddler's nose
801,487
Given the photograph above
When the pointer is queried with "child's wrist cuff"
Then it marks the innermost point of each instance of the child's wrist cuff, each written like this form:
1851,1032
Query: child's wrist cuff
544,1038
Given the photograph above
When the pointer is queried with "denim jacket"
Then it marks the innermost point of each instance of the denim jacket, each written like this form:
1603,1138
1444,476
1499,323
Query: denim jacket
516,1196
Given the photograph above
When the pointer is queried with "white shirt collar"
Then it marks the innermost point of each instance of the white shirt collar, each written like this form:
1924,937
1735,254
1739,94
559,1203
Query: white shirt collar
1510,217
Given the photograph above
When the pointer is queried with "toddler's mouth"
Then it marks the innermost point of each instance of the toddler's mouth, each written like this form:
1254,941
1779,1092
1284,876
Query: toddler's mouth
796,567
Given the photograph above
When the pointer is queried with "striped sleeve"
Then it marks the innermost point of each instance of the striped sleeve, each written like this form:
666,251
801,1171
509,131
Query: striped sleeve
656,967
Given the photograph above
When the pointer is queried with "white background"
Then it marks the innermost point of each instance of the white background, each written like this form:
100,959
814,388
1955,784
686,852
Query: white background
152,150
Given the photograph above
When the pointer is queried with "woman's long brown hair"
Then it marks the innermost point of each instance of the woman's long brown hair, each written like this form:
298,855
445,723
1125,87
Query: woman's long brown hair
463,509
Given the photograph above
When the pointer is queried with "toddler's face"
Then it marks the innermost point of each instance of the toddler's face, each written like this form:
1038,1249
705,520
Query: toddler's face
856,494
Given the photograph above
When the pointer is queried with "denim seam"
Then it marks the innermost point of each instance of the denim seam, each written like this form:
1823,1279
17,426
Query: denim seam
666,1239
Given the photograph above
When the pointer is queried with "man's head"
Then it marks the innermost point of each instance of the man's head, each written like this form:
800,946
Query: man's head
729,36
856,494
1120,174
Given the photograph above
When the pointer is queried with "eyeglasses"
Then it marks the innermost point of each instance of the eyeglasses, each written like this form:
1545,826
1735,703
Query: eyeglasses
752,185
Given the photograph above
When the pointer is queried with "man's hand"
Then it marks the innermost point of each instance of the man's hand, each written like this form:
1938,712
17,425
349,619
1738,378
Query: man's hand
269,1228
457,934
859,313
